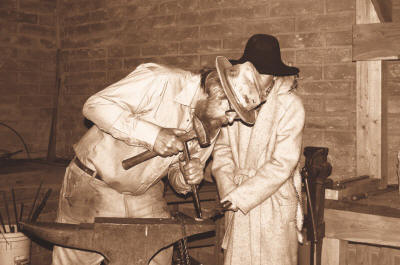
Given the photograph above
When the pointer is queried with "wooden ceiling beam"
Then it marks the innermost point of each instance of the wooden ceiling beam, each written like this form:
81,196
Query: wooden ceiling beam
377,41
383,9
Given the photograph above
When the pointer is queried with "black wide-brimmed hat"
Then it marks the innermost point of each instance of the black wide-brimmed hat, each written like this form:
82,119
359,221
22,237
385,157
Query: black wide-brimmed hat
264,53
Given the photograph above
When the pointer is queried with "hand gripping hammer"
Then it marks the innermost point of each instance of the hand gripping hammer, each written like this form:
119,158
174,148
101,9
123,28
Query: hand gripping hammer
198,132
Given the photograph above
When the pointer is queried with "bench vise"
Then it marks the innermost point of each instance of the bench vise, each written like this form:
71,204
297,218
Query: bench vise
120,240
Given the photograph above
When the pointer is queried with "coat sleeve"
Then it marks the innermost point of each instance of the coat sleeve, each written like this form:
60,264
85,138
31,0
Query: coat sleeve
285,157
116,110
223,168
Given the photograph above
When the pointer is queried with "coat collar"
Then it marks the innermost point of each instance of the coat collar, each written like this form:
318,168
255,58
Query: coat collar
243,137
190,86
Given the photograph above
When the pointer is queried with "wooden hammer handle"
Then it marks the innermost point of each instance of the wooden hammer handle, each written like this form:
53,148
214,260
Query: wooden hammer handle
136,160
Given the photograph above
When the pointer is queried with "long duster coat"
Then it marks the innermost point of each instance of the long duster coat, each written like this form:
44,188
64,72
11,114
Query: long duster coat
258,167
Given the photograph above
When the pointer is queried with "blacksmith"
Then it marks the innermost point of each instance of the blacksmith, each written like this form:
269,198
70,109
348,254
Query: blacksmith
146,110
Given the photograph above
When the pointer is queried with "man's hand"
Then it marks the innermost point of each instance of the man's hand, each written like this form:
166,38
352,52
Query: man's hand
192,171
167,142
228,204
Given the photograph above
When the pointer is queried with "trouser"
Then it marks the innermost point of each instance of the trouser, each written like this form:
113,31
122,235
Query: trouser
83,197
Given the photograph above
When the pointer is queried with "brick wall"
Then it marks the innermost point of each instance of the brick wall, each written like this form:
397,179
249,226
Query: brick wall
27,73
103,41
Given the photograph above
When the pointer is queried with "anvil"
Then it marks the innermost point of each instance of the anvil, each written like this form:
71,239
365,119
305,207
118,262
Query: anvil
120,240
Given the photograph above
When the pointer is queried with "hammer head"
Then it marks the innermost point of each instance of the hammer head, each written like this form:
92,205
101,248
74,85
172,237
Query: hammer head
202,135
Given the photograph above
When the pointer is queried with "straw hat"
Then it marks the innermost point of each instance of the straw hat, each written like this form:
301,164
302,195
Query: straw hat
241,86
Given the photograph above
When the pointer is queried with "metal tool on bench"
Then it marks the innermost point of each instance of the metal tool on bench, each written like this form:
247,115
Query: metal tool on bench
365,195
353,188
120,240
315,173
341,184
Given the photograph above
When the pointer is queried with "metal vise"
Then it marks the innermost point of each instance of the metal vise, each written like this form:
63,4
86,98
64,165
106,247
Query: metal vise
120,240
315,173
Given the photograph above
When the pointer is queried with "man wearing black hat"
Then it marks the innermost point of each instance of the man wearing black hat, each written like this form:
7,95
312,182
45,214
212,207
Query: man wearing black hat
256,168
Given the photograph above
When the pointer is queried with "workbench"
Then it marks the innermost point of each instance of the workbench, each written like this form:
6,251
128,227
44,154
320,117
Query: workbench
374,221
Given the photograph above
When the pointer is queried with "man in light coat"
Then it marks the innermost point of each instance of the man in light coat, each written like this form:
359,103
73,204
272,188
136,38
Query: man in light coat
256,168
146,110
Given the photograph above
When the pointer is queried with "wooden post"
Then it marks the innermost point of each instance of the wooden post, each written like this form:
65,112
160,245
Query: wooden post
369,104
369,127
369,118
334,251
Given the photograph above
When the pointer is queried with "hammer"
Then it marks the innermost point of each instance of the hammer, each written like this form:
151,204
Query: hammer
203,138
198,132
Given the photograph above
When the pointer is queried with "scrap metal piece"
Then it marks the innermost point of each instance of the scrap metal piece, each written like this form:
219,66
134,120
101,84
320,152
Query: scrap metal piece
365,195
341,184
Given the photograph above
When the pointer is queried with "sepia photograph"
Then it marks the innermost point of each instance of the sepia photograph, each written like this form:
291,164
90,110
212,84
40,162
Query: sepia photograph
199,132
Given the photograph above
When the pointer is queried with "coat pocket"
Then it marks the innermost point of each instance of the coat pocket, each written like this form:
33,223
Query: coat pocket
287,194
81,199
288,213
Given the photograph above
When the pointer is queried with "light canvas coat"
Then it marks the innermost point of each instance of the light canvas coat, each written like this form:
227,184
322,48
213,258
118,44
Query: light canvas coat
128,116
258,167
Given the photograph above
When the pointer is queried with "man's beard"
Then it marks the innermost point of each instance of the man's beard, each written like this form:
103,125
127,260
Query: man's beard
205,110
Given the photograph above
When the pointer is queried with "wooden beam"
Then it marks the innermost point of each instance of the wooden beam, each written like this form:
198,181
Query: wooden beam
362,228
383,9
365,12
369,121
369,105
376,41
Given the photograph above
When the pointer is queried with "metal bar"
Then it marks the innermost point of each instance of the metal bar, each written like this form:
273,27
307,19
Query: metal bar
196,200
8,213
314,225
15,207
34,200
2,223
41,206
20,213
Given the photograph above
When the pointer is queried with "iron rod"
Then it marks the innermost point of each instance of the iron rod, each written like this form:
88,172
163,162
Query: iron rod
40,207
8,213
34,201
15,207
